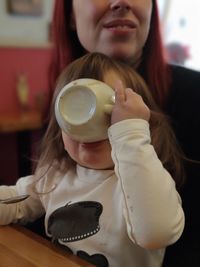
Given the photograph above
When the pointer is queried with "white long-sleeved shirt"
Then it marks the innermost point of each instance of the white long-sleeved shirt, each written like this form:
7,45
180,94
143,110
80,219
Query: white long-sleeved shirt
121,217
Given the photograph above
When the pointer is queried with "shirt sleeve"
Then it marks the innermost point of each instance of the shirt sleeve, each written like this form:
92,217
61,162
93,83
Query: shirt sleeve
24,211
152,206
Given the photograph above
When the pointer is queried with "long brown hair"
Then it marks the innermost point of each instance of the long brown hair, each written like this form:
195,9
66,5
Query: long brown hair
95,65
67,48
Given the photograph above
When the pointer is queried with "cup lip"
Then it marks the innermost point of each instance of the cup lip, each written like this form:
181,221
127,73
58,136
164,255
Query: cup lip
91,108
70,128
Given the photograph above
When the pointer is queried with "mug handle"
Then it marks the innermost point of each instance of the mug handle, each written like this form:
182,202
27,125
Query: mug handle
109,107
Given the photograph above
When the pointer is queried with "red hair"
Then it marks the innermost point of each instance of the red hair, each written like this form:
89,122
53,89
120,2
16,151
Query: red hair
67,47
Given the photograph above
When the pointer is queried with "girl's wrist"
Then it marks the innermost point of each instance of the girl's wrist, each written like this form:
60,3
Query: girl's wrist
128,126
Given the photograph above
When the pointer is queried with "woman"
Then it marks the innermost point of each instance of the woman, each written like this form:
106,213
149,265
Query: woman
129,30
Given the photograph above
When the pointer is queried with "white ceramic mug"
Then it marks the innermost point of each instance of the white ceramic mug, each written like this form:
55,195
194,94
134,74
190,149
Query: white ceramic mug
83,108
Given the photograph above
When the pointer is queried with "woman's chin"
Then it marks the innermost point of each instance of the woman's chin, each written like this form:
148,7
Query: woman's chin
123,54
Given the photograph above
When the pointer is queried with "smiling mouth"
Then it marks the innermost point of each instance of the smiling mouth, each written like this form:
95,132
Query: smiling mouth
120,27
120,24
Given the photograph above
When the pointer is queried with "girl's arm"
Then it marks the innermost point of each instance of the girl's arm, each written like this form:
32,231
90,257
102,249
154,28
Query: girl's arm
152,206
25,211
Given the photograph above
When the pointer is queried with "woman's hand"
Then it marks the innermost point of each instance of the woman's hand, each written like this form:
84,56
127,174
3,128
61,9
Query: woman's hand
128,105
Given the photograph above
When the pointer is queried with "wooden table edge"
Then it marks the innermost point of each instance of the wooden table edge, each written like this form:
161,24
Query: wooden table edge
54,247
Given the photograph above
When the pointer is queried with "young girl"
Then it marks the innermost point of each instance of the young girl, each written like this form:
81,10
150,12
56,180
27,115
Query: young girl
113,202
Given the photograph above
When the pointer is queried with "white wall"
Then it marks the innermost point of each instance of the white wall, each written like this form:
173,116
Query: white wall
25,29
181,24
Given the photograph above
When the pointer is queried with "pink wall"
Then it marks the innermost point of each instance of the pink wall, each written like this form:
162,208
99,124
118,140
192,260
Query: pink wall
34,62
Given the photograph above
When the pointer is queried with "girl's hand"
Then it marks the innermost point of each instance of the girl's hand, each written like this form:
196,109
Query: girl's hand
128,105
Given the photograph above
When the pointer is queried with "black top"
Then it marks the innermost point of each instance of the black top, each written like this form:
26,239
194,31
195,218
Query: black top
184,109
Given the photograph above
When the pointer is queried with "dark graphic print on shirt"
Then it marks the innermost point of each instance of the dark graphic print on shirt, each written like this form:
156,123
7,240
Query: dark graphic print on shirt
78,221
75,221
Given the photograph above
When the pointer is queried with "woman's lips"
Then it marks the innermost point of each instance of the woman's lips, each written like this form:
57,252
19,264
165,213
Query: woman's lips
120,26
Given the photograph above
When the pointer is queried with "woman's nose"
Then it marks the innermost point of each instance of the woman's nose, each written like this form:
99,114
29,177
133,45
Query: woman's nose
120,5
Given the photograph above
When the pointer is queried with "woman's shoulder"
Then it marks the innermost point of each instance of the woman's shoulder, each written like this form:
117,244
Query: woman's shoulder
183,108
180,70
182,77
185,85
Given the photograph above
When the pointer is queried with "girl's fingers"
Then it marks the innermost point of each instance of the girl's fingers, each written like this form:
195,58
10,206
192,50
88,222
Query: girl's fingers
119,92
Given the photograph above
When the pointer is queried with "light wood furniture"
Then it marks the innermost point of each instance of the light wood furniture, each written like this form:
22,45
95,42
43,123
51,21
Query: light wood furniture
20,247
14,122
21,125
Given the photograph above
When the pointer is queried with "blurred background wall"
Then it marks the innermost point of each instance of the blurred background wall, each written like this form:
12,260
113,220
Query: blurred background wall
180,20
25,48
25,52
